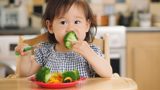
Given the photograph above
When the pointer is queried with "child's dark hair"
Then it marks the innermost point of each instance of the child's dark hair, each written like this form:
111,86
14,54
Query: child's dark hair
56,8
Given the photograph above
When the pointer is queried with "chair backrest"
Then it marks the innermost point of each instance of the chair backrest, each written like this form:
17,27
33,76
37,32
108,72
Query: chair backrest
37,39
104,46
102,43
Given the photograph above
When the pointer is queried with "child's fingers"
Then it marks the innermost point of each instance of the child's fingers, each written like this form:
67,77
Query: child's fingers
17,49
77,43
20,49
73,42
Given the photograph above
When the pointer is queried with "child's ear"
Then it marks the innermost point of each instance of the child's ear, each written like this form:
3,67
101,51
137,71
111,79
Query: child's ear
49,26
88,24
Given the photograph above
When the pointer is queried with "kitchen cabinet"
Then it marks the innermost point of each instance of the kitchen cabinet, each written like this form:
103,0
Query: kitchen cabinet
143,59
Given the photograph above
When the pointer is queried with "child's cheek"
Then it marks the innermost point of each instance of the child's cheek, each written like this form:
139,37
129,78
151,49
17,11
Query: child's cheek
81,37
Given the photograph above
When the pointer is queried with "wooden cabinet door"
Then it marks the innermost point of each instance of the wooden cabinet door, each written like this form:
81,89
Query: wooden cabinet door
146,71
143,60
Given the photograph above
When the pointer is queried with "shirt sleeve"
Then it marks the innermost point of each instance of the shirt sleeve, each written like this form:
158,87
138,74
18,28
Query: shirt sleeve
97,50
39,54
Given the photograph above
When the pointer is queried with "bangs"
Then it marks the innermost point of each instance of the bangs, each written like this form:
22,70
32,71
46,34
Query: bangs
63,7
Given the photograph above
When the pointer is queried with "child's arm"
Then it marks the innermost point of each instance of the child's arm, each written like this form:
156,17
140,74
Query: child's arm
26,65
99,64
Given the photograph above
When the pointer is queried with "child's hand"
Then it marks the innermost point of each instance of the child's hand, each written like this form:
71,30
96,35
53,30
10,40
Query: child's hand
82,47
20,49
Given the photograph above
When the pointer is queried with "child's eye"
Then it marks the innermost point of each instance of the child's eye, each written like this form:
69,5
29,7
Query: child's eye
63,22
77,22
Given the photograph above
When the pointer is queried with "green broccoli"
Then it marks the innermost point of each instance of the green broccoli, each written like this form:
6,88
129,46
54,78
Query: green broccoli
43,74
77,74
70,76
25,49
69,38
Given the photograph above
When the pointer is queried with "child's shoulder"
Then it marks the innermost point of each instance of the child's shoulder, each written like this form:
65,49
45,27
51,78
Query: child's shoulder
45,45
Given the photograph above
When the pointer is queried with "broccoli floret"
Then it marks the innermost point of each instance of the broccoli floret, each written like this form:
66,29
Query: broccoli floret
77,74
69,76
69,38
43,74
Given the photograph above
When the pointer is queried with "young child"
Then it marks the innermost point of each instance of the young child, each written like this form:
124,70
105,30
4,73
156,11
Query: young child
60,17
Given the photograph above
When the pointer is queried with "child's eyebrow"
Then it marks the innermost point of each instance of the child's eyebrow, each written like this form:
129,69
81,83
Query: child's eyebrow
79,17
60,17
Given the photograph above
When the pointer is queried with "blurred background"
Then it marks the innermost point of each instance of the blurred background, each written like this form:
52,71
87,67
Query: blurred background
133,26
130,13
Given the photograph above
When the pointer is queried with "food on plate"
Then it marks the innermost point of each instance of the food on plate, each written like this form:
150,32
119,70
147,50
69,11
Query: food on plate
44,75
69,38
70,76
56,77
77,74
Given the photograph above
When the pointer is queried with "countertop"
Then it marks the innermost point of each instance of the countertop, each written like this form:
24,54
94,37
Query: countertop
22,31
143,29
32,31
119,83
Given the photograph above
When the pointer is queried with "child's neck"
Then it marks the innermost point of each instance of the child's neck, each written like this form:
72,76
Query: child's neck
61,48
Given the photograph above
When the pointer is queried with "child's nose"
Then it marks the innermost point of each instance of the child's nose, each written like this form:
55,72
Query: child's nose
70,27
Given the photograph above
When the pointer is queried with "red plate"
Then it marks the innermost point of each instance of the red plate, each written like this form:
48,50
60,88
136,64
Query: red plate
56,85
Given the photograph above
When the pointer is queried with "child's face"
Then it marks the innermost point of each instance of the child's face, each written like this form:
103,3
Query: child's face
73,20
